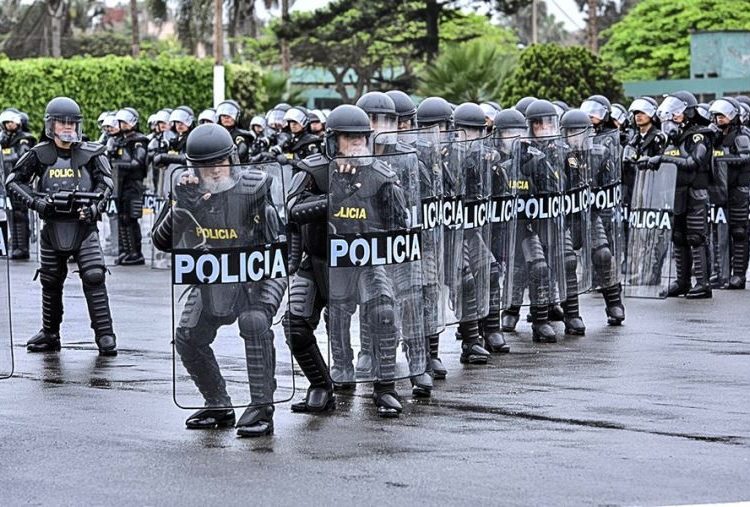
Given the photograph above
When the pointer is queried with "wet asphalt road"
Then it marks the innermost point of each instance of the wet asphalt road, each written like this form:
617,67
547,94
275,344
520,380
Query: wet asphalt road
654,412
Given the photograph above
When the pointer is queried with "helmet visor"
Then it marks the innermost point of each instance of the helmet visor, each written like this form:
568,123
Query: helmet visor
228,109
68,129
544,126
594,109
724,107
181,116
126,116
669,108
10,116
619,115
643,106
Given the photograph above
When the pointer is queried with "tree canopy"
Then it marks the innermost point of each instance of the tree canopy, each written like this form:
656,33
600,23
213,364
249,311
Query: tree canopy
653,40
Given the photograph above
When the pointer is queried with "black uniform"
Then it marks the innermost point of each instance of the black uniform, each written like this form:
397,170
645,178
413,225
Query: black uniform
208,307
83,168
14,145
733,149
691,153
129,163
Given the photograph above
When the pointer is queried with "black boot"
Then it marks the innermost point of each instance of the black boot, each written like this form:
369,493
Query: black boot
386,399
107,345
421,385
256,422
556,313
210,418
123,241
702,288
44,341
614,308
573,322
436,365
97,302
683,262
472,351
739,264
541,330
494,341
320,397
20,231
736,283
510,318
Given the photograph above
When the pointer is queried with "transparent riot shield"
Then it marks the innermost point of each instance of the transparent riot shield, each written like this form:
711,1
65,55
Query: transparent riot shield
6,332
719,239
538,274
108,229
607,216
425,142
648,269
503,227
229,280
374,269
578,214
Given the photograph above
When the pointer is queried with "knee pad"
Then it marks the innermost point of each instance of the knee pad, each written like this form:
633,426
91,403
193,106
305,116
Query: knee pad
739,233
601,257
679,238
538,270
380,312
254,322
92,276
695,239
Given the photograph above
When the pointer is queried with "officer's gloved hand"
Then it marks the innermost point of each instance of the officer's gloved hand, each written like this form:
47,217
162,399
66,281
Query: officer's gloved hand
281,159
89,214
187,193
158,158
44,208
654,162
275,150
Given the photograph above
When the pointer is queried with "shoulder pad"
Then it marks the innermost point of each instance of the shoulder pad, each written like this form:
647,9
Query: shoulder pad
251,181
45,152
90,148
374,177
742,142
534,151
317,166
599,150
383,170
403,147
138,138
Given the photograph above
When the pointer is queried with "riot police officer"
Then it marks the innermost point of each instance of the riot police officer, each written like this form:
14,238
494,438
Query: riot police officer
646,141
688,147
181,123
405,109
348,130
213,194
302,143
15,141
228,114
207,116
129,167
481,271
74,181
317,125
732,147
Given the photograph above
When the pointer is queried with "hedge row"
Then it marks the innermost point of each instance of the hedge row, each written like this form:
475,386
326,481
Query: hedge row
107,83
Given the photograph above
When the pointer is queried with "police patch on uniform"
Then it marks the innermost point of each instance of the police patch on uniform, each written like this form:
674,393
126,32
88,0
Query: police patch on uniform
697,138
572,162
239,139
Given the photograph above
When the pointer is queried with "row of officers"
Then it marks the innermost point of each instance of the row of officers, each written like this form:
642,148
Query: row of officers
408,220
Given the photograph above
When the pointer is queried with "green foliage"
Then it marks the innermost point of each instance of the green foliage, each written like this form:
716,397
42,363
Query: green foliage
102,84
278,88
653,40
472,71
97,44
560,73
461,27
245,85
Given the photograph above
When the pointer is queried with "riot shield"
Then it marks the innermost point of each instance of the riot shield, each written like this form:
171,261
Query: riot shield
607,224
719,239
108,230
229,258
374,268
648,268
579,158
6,331
503,227
477,257
426,143
539,256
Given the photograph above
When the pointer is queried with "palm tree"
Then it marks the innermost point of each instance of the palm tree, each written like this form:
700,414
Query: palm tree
469,72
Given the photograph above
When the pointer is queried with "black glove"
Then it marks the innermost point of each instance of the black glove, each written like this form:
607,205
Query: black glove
187,194
654,162
281,159
158,158
45,208
89,214
275,150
